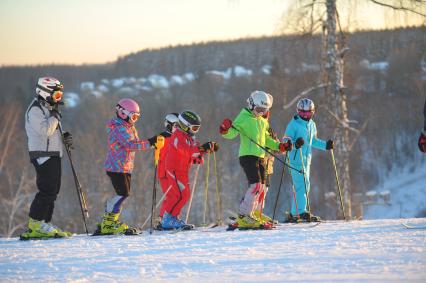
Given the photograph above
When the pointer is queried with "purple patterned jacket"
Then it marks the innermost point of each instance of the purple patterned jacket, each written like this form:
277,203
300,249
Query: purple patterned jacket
123,141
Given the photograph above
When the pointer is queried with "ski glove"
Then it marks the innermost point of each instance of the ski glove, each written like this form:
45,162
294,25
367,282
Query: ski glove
329,145
55,113
286,146
422,142
198,160
67,137
153,141
299,142
209,147
224,127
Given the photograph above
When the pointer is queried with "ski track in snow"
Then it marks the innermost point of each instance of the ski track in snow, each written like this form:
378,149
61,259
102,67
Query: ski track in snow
358,251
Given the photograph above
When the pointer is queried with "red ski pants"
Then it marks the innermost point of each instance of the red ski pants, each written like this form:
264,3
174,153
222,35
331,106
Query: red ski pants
179,193
164,184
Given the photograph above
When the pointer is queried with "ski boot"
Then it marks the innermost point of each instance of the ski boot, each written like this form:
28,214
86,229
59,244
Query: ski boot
110,225
157,225
246,222
309,217
42,230
170,222
290,218
263,217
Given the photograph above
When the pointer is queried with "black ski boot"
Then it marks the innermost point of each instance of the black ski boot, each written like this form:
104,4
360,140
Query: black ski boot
309,217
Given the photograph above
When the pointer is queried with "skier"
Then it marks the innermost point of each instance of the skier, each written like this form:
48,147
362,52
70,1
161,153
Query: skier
42,119
253,128
123,141
302,129
170,121
182,151
422,137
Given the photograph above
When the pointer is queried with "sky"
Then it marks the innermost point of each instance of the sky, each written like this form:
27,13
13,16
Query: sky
99,31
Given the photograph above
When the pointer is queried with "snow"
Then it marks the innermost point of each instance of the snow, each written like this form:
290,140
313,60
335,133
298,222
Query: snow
240,71
158,81
357,251
406,190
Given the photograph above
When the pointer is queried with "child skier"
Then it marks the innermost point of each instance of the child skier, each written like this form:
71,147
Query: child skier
181,152
123,141
42,119
302,129
253,131
170,121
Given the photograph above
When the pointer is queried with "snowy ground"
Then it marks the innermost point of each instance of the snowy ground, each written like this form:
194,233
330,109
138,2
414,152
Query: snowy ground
359,251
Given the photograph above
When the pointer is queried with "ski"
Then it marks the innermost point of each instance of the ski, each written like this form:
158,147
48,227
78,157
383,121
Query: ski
132,231
408,226
186,227
301,224
40,238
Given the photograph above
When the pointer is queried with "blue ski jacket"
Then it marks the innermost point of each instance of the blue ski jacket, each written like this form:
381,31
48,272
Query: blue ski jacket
308,131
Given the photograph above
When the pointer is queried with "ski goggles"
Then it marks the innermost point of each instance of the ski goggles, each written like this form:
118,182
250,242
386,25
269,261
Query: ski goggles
133,116
57,95
306,114
194,128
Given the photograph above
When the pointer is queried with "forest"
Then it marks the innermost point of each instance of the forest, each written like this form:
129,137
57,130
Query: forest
385,80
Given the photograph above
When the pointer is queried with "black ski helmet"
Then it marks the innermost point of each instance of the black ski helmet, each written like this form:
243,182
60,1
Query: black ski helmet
189,122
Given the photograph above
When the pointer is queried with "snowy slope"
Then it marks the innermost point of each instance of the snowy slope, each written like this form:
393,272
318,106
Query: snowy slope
362,251
407,195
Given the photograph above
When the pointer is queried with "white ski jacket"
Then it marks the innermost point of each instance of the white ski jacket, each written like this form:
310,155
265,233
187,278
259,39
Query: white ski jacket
44,137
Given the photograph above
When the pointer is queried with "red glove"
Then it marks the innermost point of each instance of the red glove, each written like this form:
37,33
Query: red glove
224,127
286,146
422,142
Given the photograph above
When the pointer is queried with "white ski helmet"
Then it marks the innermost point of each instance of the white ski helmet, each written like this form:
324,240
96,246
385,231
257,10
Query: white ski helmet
170,120
305,108
261,99
50,89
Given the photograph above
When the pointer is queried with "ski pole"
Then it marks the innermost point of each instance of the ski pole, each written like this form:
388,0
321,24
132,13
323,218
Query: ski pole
192,193
156,206
206,189
267,151
338,184
279,188
218,192
158,146
80,193
304,181
294,194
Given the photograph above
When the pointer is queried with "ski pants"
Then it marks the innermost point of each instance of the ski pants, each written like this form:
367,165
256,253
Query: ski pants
179,193
48,180
165,185
254,168
299,186
121,183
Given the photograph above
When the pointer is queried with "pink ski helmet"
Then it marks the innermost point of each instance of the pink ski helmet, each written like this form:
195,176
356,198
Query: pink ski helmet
128,110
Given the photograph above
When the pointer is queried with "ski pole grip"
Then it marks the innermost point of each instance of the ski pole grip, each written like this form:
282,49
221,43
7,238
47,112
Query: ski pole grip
158,146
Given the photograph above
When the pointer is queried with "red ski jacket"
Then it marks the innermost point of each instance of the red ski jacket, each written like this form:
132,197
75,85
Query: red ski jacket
181,152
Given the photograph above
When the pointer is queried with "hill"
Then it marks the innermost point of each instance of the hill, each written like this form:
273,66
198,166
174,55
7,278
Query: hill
357,251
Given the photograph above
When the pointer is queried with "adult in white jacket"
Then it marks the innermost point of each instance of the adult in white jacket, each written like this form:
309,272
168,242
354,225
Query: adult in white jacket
42,120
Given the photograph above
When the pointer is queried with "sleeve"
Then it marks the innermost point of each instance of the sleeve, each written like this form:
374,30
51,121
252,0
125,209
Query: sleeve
232,133
41,124
316,142
123,138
